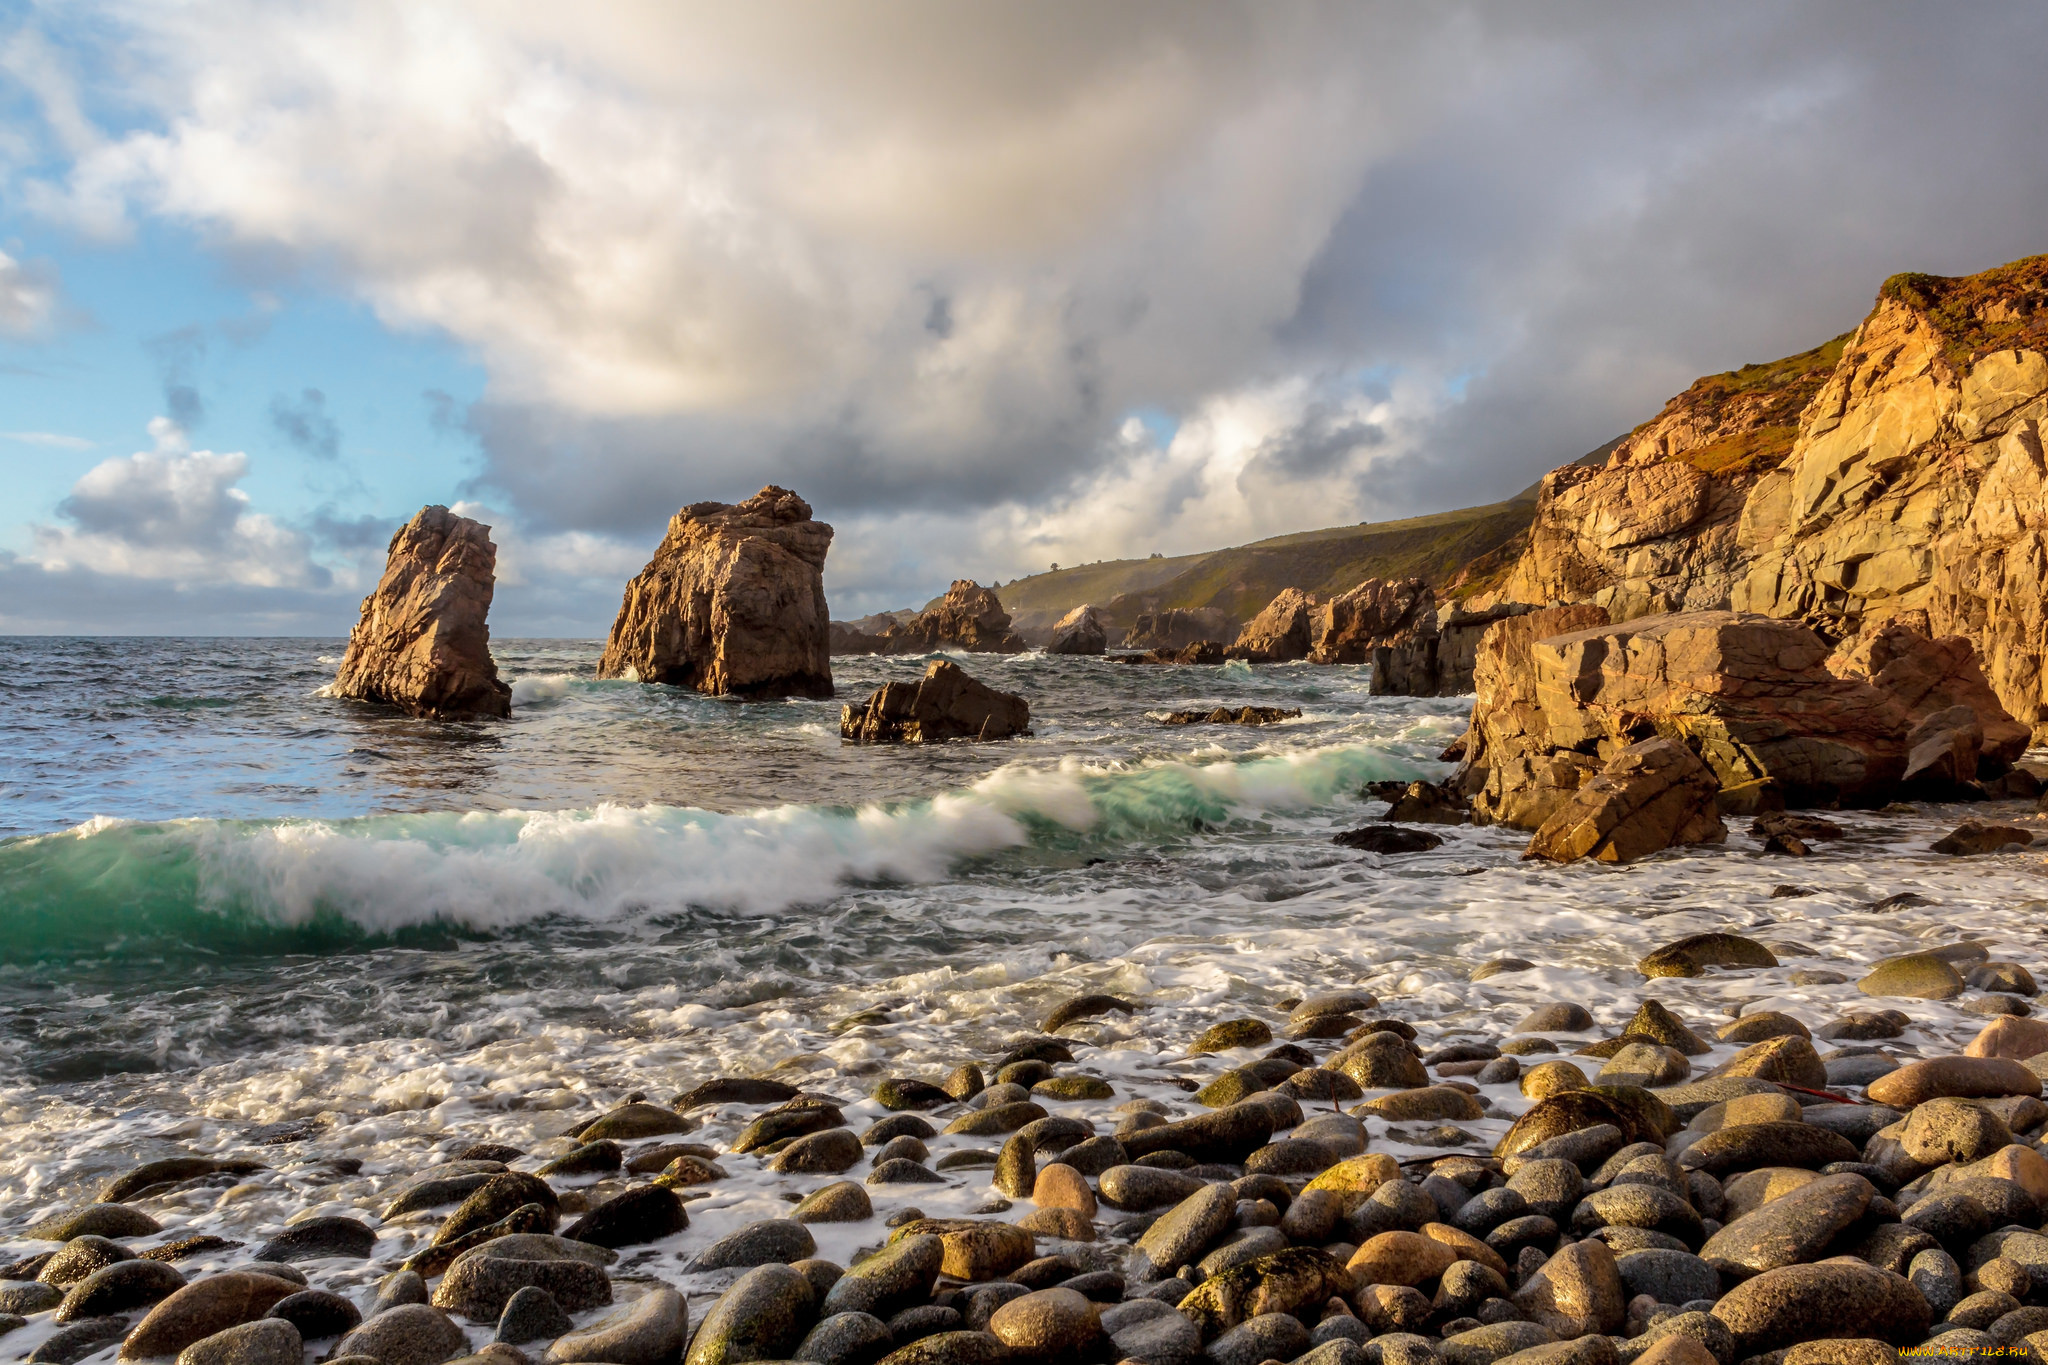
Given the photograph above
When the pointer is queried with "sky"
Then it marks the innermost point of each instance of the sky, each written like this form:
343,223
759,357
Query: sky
993,286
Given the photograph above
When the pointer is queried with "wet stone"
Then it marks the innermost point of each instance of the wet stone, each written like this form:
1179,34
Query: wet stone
270,1341
319,1238
316,1313
413,1334
119,1288
777,1240
763,1316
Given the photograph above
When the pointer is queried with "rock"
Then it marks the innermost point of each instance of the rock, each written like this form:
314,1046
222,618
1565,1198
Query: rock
1051,1323
1837,1298
1085,1007
1762,1025
845,1339
798,1117
592,1158
1789,1230
649,1330
319,1238
168,1171
94,1220
317,1314
736,1090
951,1348
1572,1110
1746,1146
1223,715
733,602
762,1316
399,1287
481,1282
1668,1276
1230,1134
1425,1103
1231,1033
1593,1350
1636,1205
119,1288
973,1249
17,1300
532,1314
1917,976
269,1341
1179,628
1694,955
1576,1292
1944,1130
776,1240
1281,633
77,1341
423,643
1644,1064
1485,1345
637,1120
493,1201
1400,1258
900,1274
1388,839
1966,1077
647,1214
1853,1351
1687,1339
1184,1231
1654,794
1080,631
80,1257
1381,1062
1972,837
433,1190
1439,803
1785,1060
945,704
828,1152
1556,1018
1653,1020
1287,1280
2010,1037
412,1334
969,617
202,1308
1168,1338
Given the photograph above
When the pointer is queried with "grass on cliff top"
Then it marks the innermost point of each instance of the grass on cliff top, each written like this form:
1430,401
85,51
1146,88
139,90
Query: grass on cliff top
1759,407
2004,308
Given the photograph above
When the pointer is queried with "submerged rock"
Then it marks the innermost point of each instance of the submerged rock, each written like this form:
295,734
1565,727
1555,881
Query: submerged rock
1223,715
733,602
945,704
423,643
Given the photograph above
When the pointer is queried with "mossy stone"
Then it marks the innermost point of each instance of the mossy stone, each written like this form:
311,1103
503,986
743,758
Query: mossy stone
1074,1088
1692,956
1232,1033
1915,976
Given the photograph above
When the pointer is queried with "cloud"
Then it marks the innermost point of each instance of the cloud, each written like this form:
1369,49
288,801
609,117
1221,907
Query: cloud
55,439
28,296
175,514
924,262
177,355
305,423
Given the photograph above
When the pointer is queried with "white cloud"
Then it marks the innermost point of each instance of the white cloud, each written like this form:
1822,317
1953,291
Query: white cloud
28,296
173,513
567,560
55,439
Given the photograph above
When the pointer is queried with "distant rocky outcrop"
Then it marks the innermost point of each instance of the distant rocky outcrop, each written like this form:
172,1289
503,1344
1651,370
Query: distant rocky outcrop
969,617
1200,652
1282,633
1898,469
1223,715
423,642
863,636
1752,696
1176,628
1371,616
733,602
1080,631
1415,647
945,704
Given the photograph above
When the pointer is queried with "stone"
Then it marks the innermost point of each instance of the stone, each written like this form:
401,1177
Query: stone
1556,1018
1270,1336
319,1238
433,1190
202,1308
268,1341
1400,1258
733,603
80,1257
1636,1205
316,1313
1381,1065
1424,1103
845,1339
776,1240
1667,1276
1916,976
1388,839
1852,1351
1231,1033
1486,1345
119,1288
480,1282
649,1330
423,643
1050,1323
951,1348
828,1153
494,1200
969,617
1790,1230
17,1300
1974,837
1061,1186
532,1314
1652,1020
1179,1236
897,1276
1080,631
974,1249
1281,633
1652,795
735,1090
1572,1110
1646,1065
945,704
1697,953
1230,1134
765,1313
1747,1146
412,1334
1836,1298
1578,1291
903,1093
1084,1007
94,1220
1946,1130
1760,1026
1787,1059
2010,1037
1966,1077
591,1158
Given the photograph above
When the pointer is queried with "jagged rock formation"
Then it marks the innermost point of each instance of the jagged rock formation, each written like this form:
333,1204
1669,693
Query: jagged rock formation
968,617
1914,480
733,602
423,642
1177,628
1351,625
1282,633
1652,795
1751,695
1080,631
863,636
1415,647
945,704
1223,715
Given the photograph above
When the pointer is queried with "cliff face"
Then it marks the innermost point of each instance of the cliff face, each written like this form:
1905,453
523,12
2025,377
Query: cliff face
732,602
1914,481
423,643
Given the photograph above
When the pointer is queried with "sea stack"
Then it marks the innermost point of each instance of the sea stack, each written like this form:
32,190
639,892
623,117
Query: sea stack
423,643
733,603
968,617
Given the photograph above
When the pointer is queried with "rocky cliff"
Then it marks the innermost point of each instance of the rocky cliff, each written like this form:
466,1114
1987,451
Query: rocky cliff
423,642
1913,481
968,617
1282,633
733,602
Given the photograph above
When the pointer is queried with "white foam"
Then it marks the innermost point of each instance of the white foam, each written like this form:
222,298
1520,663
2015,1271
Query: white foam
541,687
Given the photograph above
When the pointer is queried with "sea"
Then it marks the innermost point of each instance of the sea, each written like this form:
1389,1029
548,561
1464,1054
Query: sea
234,907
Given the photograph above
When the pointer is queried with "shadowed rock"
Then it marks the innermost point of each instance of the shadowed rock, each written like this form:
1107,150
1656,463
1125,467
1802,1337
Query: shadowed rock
423,643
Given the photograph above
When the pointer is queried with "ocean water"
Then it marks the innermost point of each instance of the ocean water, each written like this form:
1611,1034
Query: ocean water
227,900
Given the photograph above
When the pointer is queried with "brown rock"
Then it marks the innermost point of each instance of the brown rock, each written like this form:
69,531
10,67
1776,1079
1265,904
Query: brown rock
1762,1025
202,1308
1434,1102
1400,1258
1837,1298
1282,633
1913,976
969,617
1973,837
1176,629
1652,795
733,602
1060,1186
1676,1348
1576,1292
1966,1077
1693,955
1054,1323
1518,776
2010,1036
423,643
1350,626
973,1249
1080,631
1787,1059
946,704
